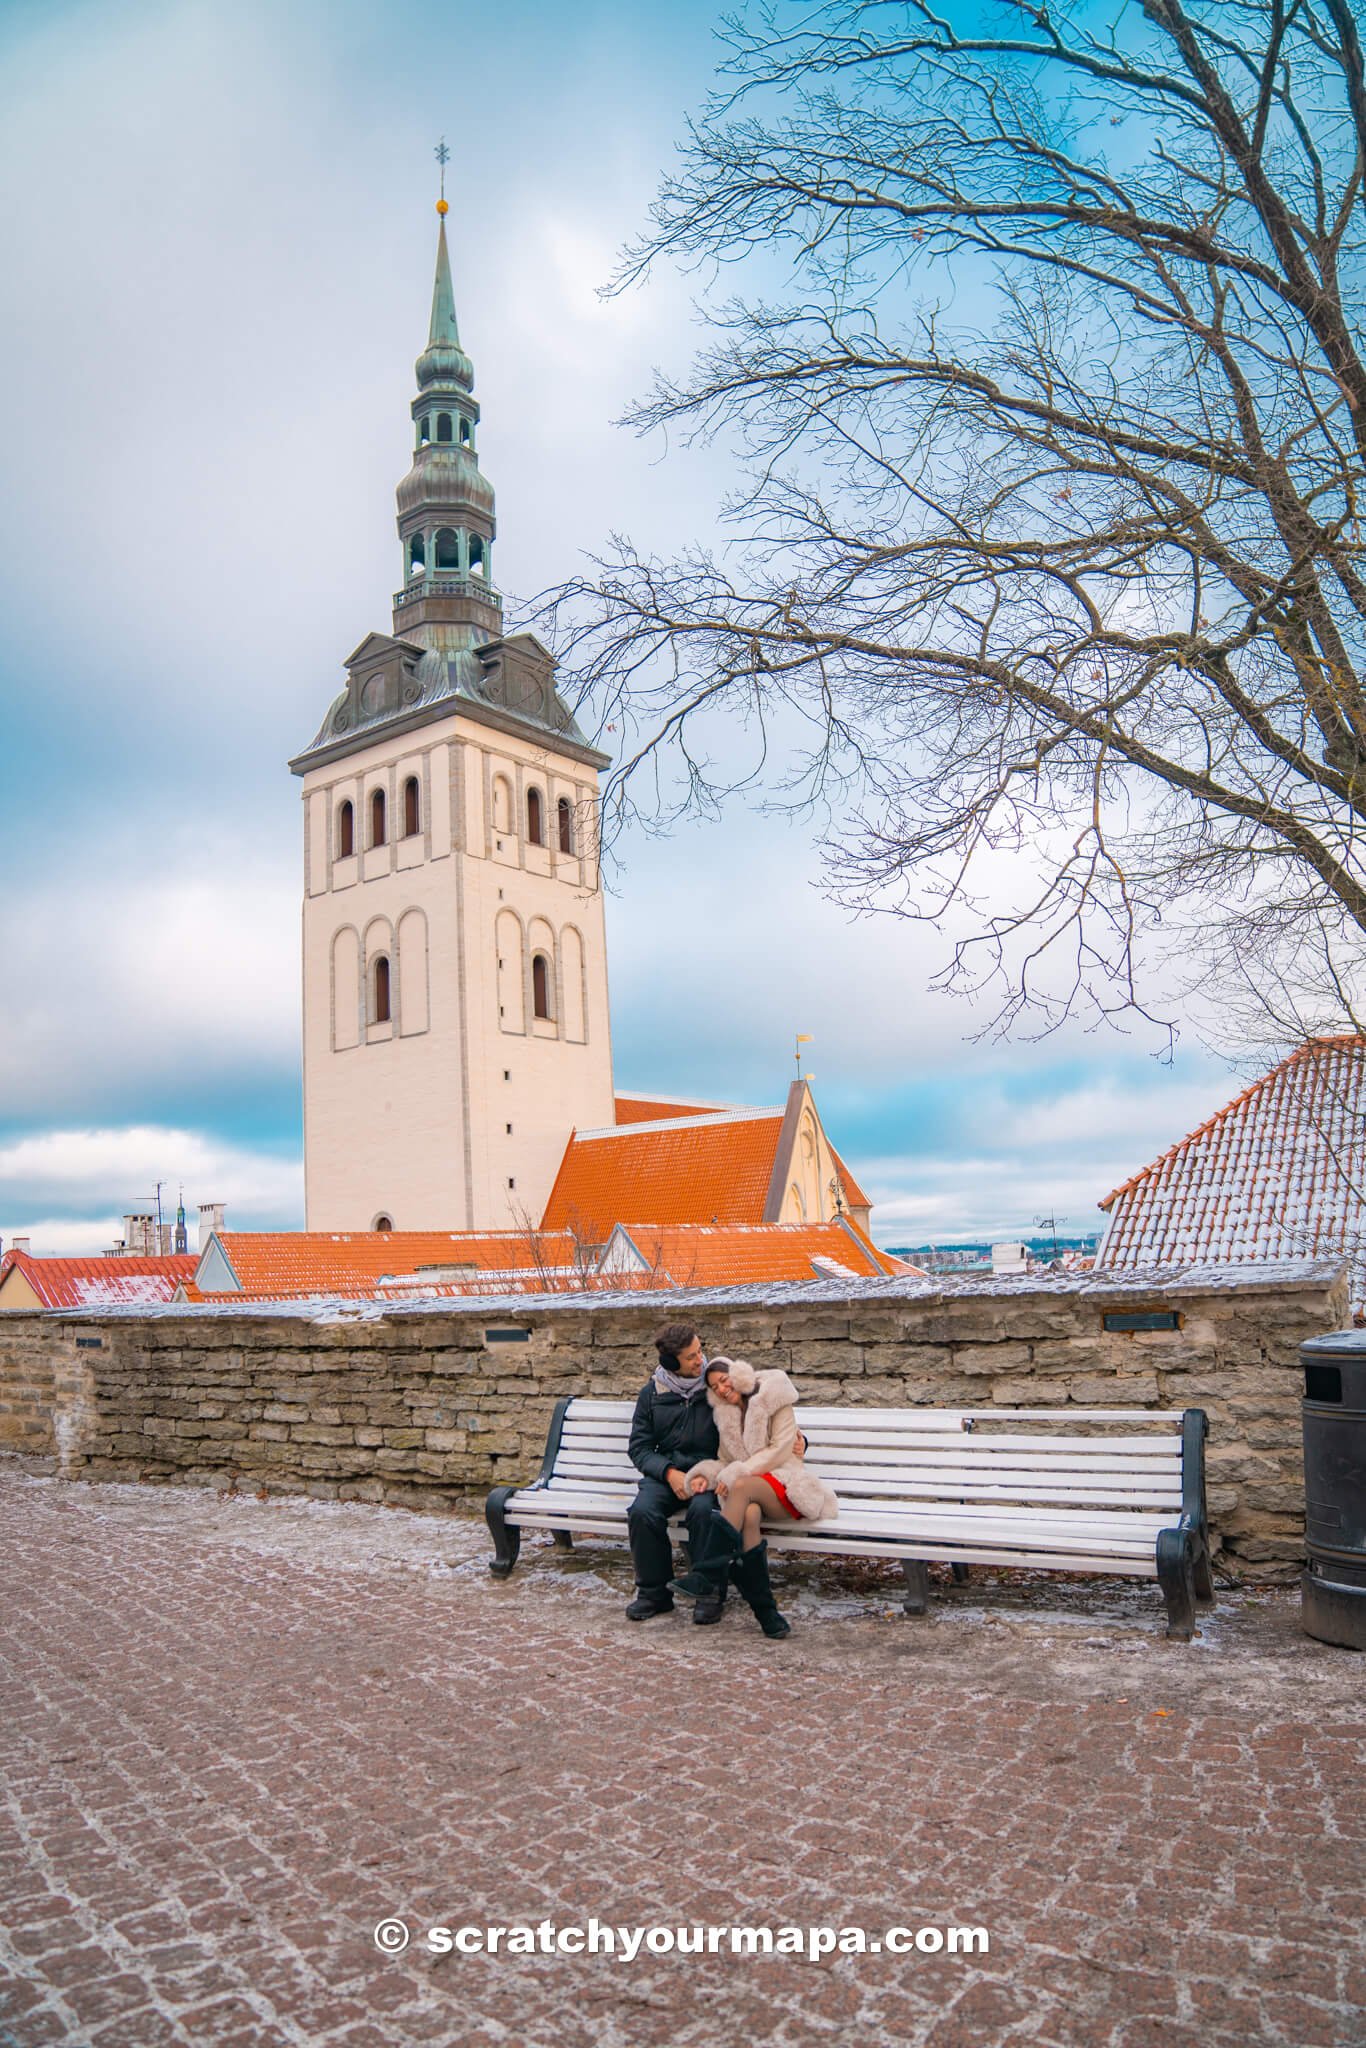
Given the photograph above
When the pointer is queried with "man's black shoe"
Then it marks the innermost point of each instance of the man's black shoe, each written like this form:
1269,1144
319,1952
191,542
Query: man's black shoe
710,1607
647,1603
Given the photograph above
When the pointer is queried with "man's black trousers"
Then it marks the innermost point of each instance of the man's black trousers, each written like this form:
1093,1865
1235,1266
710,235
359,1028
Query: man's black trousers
647,1519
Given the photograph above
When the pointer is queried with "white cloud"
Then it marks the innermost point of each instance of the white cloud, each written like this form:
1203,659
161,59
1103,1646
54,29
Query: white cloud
67,1189
120,980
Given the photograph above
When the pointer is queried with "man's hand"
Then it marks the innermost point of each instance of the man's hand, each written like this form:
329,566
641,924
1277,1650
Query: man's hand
678,1482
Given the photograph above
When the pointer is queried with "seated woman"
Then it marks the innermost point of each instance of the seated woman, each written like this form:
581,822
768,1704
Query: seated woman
760,1472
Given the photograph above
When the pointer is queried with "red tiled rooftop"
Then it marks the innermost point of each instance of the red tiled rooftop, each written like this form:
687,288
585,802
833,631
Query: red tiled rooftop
100,1282
303,1262
732,1255
1276,1173
651,1109
710,1169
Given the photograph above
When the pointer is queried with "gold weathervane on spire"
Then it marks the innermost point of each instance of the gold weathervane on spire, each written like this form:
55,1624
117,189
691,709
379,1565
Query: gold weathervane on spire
443,157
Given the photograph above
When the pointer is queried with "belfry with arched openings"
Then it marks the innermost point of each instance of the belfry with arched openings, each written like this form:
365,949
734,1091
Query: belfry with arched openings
455,963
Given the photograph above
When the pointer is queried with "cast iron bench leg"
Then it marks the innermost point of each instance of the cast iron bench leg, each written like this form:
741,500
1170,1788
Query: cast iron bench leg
960,1574
917,1576
1204,1576
1176,1576
507,1538
562,1538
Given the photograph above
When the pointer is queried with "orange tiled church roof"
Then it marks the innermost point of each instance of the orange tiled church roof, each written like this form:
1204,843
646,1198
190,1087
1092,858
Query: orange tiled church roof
1277,1173
713,1168
651,1109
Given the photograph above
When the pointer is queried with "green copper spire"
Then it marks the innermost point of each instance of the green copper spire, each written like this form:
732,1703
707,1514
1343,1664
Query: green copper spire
444,332
443,361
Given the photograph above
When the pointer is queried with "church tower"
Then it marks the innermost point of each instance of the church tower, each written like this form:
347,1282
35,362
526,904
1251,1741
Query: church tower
454,954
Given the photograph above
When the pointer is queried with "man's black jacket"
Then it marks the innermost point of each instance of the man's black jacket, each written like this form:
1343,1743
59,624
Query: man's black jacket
668,1431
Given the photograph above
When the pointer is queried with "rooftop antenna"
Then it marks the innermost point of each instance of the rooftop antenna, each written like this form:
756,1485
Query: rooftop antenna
1049,1223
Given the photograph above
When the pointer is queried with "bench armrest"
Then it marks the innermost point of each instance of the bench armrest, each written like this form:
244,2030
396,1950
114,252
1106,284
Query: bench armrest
507,1537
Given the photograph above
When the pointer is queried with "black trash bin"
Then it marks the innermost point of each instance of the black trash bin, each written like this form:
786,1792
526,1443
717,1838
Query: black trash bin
1334,1585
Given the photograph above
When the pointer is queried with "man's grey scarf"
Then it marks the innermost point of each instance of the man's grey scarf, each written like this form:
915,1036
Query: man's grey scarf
674,1383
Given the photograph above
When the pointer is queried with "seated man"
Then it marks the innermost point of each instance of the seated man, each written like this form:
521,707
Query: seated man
671,1430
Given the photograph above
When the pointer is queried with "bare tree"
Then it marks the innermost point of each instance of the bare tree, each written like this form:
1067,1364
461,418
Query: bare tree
1049,543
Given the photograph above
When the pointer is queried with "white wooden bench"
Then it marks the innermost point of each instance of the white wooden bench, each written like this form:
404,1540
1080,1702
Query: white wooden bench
1078,1490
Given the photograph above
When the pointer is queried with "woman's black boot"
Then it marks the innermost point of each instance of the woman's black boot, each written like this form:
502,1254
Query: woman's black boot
750,1573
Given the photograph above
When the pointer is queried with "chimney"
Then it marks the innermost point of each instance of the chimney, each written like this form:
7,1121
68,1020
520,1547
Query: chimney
21,1244
210,1219
139,1235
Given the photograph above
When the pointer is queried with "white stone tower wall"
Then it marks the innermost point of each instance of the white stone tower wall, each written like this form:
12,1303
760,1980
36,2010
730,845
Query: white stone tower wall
410,1119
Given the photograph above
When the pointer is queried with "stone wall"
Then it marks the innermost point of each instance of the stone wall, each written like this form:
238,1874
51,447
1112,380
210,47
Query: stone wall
429,1406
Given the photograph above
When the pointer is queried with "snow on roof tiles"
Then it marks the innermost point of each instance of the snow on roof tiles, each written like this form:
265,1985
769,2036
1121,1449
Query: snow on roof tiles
101,1282
1280,1172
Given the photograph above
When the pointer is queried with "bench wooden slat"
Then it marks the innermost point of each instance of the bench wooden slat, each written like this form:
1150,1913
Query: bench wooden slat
961,1459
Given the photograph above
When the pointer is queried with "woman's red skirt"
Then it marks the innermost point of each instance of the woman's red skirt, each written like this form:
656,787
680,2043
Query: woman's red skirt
781,1492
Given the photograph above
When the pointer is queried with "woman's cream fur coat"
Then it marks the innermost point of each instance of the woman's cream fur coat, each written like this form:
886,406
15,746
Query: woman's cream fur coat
760,1437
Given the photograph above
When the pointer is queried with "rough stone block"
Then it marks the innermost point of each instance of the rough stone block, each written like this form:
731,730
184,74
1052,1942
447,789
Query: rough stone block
1102,1391
991,1360
1030,1393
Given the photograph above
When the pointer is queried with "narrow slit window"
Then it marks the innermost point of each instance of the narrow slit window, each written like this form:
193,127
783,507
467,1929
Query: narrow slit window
382,1013
535,830
564,810
379,828
412,808
346,830
540,986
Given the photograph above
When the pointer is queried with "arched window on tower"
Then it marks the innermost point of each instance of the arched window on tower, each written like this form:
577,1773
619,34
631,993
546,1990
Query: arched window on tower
346,829
466,432
535,829
380,1012
476,555
412,815
540,986
424,431
443,426
447,549
417,555
564,811
379,829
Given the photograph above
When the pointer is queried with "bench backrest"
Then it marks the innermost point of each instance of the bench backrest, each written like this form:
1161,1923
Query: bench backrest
1078,1457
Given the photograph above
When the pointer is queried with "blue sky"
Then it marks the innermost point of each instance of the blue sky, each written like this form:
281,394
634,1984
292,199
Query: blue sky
219,248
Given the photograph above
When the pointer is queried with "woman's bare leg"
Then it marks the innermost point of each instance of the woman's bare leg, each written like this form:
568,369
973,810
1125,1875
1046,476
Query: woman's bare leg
744,1506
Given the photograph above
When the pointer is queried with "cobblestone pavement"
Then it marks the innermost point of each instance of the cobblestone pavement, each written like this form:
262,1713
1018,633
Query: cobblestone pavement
236,1734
